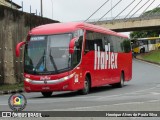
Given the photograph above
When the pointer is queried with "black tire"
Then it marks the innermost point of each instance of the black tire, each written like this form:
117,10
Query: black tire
142,50
86,88
46,94
121,83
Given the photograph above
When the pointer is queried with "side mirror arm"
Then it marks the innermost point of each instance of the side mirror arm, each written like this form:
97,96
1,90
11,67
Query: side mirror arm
71,45
18,48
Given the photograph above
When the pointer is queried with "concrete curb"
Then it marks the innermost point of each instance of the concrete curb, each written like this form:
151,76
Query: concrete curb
11,91
147,61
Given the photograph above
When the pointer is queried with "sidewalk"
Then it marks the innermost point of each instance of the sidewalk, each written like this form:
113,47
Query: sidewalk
11,91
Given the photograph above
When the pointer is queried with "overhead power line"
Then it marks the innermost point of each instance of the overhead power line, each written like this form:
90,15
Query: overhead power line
96,10
157,10
139,8
123,10
109,10
151,11
147,7
133,9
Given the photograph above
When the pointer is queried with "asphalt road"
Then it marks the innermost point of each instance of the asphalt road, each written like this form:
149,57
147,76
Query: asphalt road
142,93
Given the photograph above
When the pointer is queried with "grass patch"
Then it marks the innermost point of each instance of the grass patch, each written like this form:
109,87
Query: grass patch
153,56
7,87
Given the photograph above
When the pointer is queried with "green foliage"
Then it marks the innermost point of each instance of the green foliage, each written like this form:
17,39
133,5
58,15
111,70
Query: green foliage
155,10
127,46
147,33
7,87
153,56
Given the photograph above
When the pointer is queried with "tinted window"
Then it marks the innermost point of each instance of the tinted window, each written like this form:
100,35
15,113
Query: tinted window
76,57
91,39
153,41
117,44
108,39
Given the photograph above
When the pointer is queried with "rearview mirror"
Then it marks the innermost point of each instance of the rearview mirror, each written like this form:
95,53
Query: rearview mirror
18,48
73,43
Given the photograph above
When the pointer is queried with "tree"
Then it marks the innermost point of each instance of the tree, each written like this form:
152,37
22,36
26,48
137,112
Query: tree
147,33
152,12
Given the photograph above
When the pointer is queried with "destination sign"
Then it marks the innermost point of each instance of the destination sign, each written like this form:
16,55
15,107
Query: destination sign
37,38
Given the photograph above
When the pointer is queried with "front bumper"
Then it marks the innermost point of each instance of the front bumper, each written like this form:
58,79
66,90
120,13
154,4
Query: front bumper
62,84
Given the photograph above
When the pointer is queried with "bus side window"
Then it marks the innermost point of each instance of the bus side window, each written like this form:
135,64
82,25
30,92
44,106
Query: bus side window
93,38
99,44
77,53
152,41
89,42
108,39
119,44
98,40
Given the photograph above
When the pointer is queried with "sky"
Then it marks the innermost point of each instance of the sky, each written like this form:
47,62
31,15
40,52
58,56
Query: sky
80,10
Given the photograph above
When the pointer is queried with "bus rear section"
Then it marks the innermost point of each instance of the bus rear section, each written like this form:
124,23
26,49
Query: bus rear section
74,56
107,58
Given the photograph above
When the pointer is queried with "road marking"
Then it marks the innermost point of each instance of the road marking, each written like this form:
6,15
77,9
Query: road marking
134,92
154,93
154,101
94,107
40,101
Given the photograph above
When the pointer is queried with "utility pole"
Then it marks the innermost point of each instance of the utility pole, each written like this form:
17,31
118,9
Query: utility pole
41,9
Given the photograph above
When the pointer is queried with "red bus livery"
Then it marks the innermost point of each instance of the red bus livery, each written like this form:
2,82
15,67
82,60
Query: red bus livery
74,57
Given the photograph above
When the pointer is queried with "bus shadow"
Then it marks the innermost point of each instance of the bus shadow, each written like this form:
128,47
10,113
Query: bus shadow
101,89
104,89
76,93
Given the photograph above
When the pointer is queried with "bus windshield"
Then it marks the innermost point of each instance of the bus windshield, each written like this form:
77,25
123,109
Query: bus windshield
47,54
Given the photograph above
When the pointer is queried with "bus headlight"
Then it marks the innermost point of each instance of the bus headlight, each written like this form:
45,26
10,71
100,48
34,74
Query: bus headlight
27,79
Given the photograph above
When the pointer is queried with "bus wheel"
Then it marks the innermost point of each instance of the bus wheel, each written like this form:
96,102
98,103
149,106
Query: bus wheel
46,94
86,88
121,83
142,50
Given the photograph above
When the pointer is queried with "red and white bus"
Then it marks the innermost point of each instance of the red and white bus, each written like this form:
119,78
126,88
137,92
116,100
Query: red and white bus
74,56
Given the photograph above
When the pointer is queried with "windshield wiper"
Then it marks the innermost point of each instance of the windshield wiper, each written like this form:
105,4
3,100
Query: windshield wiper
53,62
41,61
